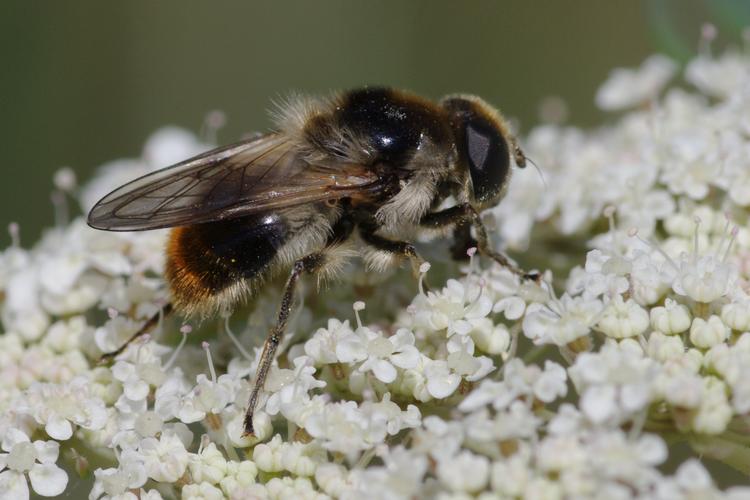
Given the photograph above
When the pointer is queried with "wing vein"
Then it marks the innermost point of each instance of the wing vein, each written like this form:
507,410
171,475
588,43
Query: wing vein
272,175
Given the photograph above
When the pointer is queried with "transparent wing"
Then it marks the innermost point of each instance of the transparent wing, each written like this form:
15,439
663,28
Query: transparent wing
228,182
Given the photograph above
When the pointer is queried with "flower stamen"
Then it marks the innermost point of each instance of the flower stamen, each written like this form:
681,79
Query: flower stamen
184,330
14,230
423,268
360,306
633,233
236,341
211,368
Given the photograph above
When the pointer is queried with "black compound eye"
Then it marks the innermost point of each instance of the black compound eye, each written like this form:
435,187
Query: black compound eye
488,157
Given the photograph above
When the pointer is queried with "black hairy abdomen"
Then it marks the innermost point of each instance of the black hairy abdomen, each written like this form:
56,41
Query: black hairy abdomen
207,258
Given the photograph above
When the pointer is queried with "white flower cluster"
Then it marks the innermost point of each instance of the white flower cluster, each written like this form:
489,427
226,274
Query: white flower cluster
488,387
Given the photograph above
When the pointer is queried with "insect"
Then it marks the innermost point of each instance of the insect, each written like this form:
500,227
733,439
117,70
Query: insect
362,171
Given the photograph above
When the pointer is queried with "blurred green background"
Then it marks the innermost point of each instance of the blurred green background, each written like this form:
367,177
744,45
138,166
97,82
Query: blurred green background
85,82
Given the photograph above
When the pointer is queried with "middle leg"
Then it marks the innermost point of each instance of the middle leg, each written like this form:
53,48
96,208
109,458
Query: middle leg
398,248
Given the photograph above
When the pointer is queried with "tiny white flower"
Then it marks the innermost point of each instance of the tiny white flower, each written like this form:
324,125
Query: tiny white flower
736,315
37,460
209,465
627,87
492,339
517,421
599,403
439,438
714,412
379,354
208,396
400,476
333,479
452,309
692,477
568,420
511,476
719,77
561,322
290,388
239,475
344,428
441,380
604,274
559,453
551,384
267,456
165,458
615,382
703,279
513,307
59,407
627,461
465,472
665,347
201,491
461,359
389,412
622,319
116,482
115,333
322,345
297,458
705,334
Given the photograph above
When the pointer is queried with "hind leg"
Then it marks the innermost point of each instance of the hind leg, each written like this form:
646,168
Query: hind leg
313,263
308,264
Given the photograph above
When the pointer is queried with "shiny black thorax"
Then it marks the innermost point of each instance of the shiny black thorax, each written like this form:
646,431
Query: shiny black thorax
393,124
390,125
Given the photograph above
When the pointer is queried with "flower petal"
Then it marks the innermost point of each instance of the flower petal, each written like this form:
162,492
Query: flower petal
48,480
407,358
12,437
351,348
58,428
13,486
384,371
47,451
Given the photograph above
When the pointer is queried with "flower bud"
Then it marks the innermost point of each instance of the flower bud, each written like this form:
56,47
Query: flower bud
706,334
672,319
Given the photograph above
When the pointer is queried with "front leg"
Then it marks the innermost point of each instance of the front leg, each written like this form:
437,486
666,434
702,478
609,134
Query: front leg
463,214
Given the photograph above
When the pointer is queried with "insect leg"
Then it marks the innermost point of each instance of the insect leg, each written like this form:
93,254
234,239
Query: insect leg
165,311
460,214
307,264
401,248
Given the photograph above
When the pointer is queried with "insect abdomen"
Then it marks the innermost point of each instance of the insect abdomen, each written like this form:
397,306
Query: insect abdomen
209,264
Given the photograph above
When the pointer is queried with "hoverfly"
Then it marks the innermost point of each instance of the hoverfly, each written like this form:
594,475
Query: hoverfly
369,166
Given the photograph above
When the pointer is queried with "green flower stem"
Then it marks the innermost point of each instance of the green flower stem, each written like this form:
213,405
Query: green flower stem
724,448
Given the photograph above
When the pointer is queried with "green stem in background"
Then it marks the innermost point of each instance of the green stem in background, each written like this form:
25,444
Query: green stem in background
535,353
365,459
724,449
96,457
